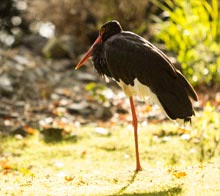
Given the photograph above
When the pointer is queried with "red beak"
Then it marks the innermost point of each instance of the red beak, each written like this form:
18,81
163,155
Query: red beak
88,54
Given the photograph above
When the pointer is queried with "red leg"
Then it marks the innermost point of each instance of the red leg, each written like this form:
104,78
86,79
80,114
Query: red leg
135,125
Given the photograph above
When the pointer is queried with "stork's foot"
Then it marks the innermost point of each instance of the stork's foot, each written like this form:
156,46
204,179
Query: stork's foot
138,168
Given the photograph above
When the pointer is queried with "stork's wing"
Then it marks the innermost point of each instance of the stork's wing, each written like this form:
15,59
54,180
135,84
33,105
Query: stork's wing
129,56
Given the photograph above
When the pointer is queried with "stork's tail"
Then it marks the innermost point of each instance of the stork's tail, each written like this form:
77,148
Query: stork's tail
188,87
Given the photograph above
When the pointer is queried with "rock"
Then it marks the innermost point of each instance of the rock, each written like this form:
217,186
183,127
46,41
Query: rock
87,77
69,43
79,108
103,113
6,88
64,46
54,49
102,131
22,60
34,42
7,114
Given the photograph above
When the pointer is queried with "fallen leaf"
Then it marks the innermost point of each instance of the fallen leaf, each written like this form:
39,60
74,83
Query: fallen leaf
30,130
147,108
182,130
179,174
83,153
69,178
5,165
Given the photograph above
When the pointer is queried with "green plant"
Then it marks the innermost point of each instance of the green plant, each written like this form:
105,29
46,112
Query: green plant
192,32
208,132
96,91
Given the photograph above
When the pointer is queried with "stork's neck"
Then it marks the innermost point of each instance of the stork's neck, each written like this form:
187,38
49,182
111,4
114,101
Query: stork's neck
99,60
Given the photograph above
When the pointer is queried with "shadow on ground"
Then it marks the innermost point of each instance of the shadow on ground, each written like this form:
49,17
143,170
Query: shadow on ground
169,192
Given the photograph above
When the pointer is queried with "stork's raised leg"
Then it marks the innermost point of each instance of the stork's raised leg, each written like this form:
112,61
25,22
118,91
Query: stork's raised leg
135,125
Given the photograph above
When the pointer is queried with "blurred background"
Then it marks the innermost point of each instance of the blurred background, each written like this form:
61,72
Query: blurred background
41,42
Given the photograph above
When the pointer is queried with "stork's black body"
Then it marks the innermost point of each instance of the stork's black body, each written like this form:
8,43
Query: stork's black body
125,56
133,61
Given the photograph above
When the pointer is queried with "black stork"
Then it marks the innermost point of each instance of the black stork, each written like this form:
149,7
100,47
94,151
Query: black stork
141,69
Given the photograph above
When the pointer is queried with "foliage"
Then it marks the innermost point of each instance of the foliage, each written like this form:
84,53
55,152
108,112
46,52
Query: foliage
96,91
208,133
192,32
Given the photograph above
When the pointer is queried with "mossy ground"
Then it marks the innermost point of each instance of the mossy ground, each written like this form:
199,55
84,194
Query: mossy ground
176,161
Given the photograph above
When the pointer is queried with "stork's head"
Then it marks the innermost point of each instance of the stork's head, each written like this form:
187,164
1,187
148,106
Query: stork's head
110,28
107,30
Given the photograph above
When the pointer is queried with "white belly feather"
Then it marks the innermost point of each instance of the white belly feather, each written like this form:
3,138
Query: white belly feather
141,91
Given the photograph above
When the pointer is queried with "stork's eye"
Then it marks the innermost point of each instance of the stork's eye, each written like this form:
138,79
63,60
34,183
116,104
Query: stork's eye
102,31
